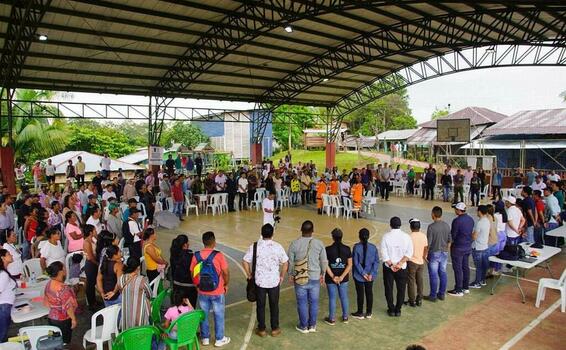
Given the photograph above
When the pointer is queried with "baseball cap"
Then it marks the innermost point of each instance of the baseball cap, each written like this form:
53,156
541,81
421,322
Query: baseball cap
510,199
414,220
113,206
460,206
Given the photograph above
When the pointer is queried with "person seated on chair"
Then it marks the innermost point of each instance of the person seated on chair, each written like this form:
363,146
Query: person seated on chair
320,190
181,305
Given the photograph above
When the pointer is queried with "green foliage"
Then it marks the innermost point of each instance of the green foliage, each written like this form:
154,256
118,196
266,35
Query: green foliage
390,112
136,133
439,113
563,95
89,136
187,134
298,122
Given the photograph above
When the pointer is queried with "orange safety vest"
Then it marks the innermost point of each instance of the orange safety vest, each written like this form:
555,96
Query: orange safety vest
334,187
357,194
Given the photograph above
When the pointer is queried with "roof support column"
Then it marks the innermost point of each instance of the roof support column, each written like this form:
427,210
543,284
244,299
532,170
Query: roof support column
7,153
261,117
333,122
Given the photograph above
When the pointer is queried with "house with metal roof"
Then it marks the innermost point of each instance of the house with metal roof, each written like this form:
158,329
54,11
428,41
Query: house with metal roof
527,138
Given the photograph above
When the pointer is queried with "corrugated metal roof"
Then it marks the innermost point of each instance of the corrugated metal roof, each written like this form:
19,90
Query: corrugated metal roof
91,160
542,121
516,144
427,136
396,134
477,116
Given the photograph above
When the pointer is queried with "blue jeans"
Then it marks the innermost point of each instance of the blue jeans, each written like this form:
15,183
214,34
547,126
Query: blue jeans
481,260
214,303
437,262
26,249
550,240
461,266
446,193
5,320
117,301
342,291
513,240
530,230
178,208
307,303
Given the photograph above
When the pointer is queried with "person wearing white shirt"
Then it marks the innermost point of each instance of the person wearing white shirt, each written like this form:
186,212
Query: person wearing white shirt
538,184
8,240
480,247
515,220
344,188
51,250
220,181
242,192
396,250
50,172
109,193
8,287
271,267
94,220
268,206
105,166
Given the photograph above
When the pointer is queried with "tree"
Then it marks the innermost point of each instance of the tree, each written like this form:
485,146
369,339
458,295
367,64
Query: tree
187,134
390,112
439,113
90,136
563,95
293,131
34,138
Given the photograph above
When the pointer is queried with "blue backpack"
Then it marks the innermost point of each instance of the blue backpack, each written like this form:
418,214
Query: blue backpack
208,280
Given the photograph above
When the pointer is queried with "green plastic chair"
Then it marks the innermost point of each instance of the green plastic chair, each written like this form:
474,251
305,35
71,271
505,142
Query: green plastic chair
156,308
137,338
187,327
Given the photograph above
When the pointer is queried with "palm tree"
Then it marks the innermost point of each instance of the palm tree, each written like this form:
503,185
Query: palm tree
34,137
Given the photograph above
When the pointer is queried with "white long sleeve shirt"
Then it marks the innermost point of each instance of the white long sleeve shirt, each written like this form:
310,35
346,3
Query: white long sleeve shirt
395,245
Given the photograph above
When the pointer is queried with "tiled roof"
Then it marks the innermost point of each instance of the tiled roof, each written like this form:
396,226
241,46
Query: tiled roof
477,116
542,121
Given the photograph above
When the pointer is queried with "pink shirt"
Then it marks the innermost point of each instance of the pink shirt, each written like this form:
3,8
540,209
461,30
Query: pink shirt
36,171
74,244
174,312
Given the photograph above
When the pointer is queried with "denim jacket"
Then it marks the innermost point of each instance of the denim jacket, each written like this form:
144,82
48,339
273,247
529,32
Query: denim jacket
371,261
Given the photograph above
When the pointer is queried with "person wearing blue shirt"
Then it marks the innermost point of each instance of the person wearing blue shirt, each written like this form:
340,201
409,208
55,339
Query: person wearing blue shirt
365,261
496,181
132,203
461,248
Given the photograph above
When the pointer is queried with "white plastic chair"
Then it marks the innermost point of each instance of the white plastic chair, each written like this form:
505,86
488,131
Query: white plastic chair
170,204
189,205
326,205
213,205
348,208
337,207
368,193
68,262
154,285
35,332
485,192
257,201
223,202
141,207
559,284
31,266
101,334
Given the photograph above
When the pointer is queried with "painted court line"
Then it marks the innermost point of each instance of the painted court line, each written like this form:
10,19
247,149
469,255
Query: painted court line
530,326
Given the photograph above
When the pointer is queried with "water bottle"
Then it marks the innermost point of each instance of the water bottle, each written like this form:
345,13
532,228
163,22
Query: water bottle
32,278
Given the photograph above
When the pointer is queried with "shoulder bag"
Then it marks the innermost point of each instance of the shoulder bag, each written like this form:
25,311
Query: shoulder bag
251,291
301,268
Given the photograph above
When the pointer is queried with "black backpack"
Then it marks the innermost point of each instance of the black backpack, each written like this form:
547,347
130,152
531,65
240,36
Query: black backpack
512,252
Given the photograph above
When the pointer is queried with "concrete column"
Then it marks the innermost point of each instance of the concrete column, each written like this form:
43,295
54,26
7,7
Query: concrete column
256,155
7,174
330,155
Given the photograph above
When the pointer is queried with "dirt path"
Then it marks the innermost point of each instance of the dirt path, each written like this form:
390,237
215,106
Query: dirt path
382,157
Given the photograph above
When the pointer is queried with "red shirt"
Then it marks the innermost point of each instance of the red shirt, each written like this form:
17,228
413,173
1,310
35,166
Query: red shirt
219,263
32,228
177,192
539,204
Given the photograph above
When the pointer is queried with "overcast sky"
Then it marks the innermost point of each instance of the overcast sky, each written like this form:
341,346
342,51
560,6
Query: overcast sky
504,90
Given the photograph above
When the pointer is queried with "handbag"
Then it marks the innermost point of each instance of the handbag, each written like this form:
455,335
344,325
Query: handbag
53,341
301,269
512,252
251,289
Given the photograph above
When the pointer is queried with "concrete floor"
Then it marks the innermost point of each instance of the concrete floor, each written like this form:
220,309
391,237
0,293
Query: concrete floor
477,321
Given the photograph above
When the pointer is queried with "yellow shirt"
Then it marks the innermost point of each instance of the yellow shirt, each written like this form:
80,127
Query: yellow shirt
150,264
295,185
80,168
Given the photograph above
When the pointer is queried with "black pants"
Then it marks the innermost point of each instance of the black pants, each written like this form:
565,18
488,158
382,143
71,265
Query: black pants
251,194
495,191
429,191
273,295
411,187
242,201
367,289
151,274
384,189
80,180
65,327
400,280
135,249
91,271
188,292
231,198
306,197
475,194
199,171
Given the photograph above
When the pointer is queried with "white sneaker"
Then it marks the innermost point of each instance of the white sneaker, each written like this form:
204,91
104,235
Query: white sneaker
466,291
205,341
312,329
222,342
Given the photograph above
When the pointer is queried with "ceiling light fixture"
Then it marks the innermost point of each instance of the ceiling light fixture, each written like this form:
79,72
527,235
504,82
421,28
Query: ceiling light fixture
42,37
325,80
288,29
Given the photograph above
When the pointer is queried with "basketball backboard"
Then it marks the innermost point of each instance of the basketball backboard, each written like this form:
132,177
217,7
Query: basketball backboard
453,130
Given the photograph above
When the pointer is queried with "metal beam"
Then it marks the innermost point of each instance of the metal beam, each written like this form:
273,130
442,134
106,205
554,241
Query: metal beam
450,63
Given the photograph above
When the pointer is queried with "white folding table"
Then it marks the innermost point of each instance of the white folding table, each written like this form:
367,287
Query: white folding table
25,295
544,255
558,232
